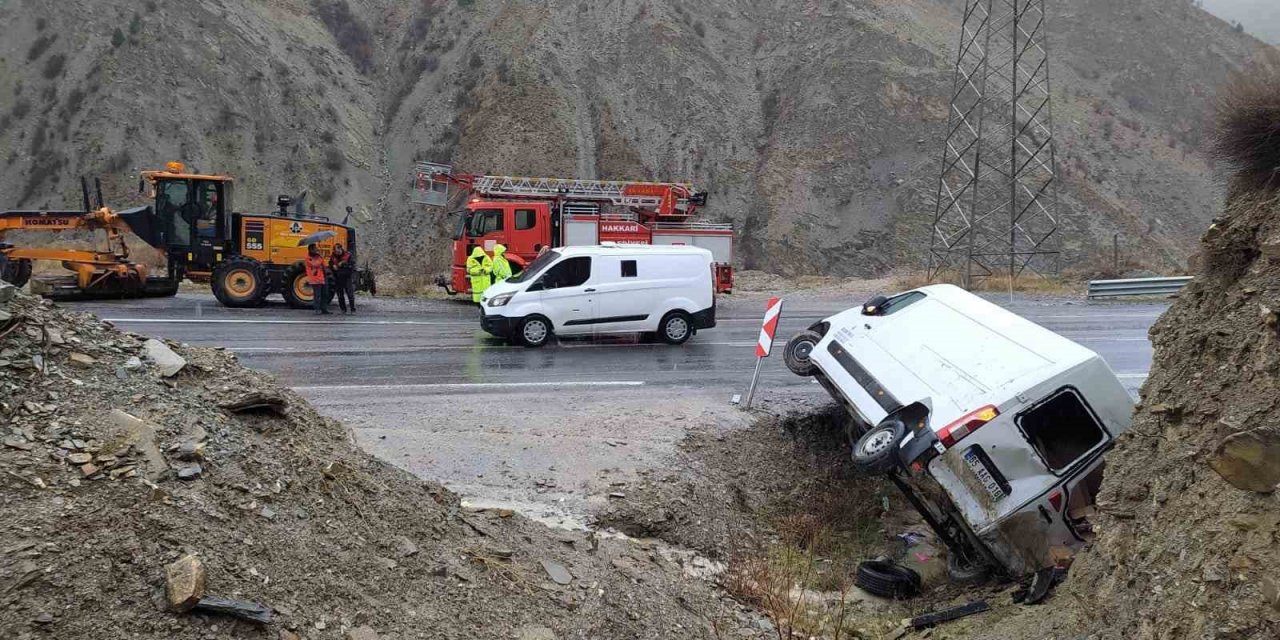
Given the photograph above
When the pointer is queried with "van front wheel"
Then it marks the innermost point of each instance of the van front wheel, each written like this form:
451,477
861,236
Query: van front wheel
676,328
534,331
876,451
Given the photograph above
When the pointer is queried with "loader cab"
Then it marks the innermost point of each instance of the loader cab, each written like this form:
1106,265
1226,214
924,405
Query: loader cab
192,216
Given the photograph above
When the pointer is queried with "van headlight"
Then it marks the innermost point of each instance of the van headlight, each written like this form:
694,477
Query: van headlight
502,300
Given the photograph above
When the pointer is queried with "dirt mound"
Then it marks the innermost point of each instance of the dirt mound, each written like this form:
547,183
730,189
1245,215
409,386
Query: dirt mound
110,471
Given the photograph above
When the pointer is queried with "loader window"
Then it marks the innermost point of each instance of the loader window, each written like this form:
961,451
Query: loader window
526,219
1061,428
175,209
484,222
207,207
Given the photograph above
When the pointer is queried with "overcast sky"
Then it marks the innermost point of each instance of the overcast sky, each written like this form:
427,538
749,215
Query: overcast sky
1259,17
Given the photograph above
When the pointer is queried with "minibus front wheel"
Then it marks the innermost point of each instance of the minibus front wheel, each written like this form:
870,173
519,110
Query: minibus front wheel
876,452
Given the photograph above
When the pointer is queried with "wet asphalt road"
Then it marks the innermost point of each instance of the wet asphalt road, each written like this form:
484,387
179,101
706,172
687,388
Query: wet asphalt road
436,346
549,432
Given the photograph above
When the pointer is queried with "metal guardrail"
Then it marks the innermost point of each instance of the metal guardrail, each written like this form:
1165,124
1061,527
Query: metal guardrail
1137,287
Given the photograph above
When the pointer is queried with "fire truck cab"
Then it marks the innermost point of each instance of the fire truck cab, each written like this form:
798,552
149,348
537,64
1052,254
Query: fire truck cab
527,215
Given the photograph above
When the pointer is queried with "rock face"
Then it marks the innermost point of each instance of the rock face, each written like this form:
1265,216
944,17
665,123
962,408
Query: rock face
816,126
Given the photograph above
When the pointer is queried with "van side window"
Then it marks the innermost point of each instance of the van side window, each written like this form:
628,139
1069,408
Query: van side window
898,303
1061,428
573,272
525,219
628,268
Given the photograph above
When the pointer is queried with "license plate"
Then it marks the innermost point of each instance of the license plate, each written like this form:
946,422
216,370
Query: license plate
979,468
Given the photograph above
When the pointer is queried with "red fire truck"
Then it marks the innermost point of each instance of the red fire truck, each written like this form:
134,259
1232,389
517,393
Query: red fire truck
527,214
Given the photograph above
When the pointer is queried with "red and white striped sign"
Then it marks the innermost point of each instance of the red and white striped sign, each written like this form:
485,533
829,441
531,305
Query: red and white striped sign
771,314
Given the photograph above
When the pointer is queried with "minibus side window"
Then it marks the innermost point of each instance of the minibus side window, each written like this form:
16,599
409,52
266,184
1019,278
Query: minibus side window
900,302
1061,428
629,268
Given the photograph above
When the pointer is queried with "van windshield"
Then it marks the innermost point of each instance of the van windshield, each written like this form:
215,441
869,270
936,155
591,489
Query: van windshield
536,267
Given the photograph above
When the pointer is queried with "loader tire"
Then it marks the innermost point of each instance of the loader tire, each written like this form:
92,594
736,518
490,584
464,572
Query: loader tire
17,271
297,291
240,282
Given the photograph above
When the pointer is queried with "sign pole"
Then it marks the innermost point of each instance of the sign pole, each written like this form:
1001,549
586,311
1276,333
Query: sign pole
768,329
755,378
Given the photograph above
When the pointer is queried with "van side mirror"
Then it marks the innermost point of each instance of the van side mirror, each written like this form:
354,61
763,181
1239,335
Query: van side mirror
873,306
536,286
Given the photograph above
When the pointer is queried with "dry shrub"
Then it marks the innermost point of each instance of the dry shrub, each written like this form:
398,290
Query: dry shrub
1247,125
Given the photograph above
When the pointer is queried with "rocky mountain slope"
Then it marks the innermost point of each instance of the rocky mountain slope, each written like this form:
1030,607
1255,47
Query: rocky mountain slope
814,123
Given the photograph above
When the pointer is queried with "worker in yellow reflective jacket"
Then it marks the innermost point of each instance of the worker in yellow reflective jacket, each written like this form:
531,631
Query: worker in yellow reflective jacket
480,268
501,267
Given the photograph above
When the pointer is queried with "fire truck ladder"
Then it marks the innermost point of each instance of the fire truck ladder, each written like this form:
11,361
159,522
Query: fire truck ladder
622,193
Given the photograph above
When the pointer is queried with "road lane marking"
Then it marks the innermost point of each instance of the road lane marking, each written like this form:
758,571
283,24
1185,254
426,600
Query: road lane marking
218,321
484,347
1132,376
473,385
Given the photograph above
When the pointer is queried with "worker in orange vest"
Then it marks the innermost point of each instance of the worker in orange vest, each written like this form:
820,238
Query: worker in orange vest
316,278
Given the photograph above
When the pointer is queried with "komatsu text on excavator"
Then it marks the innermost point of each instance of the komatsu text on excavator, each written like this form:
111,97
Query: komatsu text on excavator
244,256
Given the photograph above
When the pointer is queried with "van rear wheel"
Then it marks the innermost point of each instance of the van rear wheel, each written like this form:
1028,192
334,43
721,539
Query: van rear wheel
876,452
676,328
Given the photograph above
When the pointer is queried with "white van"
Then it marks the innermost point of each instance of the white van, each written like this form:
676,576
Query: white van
992,425
571,291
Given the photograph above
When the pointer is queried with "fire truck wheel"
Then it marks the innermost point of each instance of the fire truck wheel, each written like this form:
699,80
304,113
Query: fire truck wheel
796,355
534,331
676,328
240,282
17,271
876,452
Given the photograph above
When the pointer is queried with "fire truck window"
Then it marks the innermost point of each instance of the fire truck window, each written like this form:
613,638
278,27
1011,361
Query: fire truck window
484,222
1062,429
525,219
628,268
573,272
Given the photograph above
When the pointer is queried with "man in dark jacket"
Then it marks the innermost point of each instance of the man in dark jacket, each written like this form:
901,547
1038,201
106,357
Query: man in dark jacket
343,266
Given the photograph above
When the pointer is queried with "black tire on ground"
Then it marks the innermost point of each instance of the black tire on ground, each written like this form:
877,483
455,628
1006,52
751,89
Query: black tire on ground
876,452
240,281
17,271
887,580
160,288
966,570
796,353
533,332
676,328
